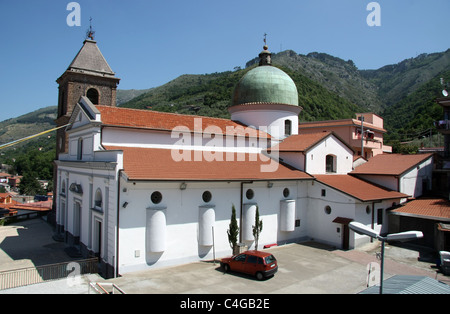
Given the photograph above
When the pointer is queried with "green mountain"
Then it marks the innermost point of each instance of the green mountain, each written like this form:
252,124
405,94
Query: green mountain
414,115
39,151
125,95
210,95
28,124
395,82
329,88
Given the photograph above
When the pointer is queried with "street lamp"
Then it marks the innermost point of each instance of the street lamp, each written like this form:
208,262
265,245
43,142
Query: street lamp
402,236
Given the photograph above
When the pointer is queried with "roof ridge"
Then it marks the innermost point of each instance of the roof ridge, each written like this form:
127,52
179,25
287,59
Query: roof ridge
163,112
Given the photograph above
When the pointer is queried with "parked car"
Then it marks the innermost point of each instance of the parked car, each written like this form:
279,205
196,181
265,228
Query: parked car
256,263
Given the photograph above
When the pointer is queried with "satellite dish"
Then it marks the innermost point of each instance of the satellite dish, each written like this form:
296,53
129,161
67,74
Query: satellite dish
445,93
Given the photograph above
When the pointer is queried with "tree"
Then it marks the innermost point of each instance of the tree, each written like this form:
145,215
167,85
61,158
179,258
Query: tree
233,230
257,228
29,185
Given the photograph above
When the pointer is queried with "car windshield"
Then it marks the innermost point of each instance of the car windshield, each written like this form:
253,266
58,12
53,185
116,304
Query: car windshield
270,259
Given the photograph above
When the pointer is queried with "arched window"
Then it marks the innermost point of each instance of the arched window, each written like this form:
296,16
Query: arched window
287,127
330,163
63,187
98,199
92,94
80,149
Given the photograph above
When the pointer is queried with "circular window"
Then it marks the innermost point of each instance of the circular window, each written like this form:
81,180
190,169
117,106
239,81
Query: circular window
286,192
206,196
327,210
156,197
250,194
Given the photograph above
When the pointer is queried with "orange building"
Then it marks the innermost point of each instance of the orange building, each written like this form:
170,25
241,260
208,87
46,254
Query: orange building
367,138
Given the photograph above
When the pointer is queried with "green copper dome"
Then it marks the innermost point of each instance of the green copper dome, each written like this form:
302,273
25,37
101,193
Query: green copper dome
265,84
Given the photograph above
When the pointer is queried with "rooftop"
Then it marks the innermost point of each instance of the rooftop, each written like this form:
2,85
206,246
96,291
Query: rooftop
339,123
159,164
358,188
303,142
300,142
431,208
91,61
410,285
391,164
148,119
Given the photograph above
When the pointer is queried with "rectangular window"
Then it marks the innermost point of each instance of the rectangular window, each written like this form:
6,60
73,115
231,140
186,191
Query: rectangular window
380,216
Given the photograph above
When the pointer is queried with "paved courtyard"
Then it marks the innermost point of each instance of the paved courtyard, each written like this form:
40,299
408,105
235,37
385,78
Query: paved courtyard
307,267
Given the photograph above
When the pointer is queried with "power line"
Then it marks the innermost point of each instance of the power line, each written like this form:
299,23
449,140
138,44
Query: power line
30,137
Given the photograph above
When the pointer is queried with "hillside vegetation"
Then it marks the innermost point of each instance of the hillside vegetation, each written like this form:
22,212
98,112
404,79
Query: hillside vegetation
329,88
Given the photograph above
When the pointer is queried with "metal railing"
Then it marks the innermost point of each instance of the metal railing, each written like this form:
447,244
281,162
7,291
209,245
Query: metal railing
442,124
33,275
105,288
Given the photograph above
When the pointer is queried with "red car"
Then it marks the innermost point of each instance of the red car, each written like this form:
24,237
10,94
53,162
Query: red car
256,263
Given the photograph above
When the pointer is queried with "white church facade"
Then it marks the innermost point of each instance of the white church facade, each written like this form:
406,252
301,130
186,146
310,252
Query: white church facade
144,189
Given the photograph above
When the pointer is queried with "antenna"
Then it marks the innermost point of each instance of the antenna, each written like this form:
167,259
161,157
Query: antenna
90,33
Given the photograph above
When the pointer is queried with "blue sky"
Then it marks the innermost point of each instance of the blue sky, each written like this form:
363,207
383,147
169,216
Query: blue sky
149,43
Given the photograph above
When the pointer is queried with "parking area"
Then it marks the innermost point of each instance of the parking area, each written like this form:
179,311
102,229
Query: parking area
303,268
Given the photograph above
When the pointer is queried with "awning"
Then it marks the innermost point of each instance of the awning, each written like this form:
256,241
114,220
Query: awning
443,227
342,220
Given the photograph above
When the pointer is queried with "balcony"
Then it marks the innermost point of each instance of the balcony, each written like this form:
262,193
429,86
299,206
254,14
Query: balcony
370,141
443,126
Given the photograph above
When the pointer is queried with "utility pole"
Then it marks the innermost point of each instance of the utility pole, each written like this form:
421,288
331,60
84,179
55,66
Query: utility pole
362,136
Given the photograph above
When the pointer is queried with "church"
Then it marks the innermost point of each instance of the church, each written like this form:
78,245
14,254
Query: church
142,189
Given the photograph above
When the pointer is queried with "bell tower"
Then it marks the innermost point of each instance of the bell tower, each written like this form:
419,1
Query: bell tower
88,75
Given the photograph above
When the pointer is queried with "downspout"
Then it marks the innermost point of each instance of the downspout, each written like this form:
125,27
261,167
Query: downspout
362,136
373,219
304,161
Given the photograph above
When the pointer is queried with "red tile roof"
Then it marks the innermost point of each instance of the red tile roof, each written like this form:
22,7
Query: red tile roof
36,206
390,164
303,142
358,188
158,164
433,208
300,142
148,119
338,123
9,205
